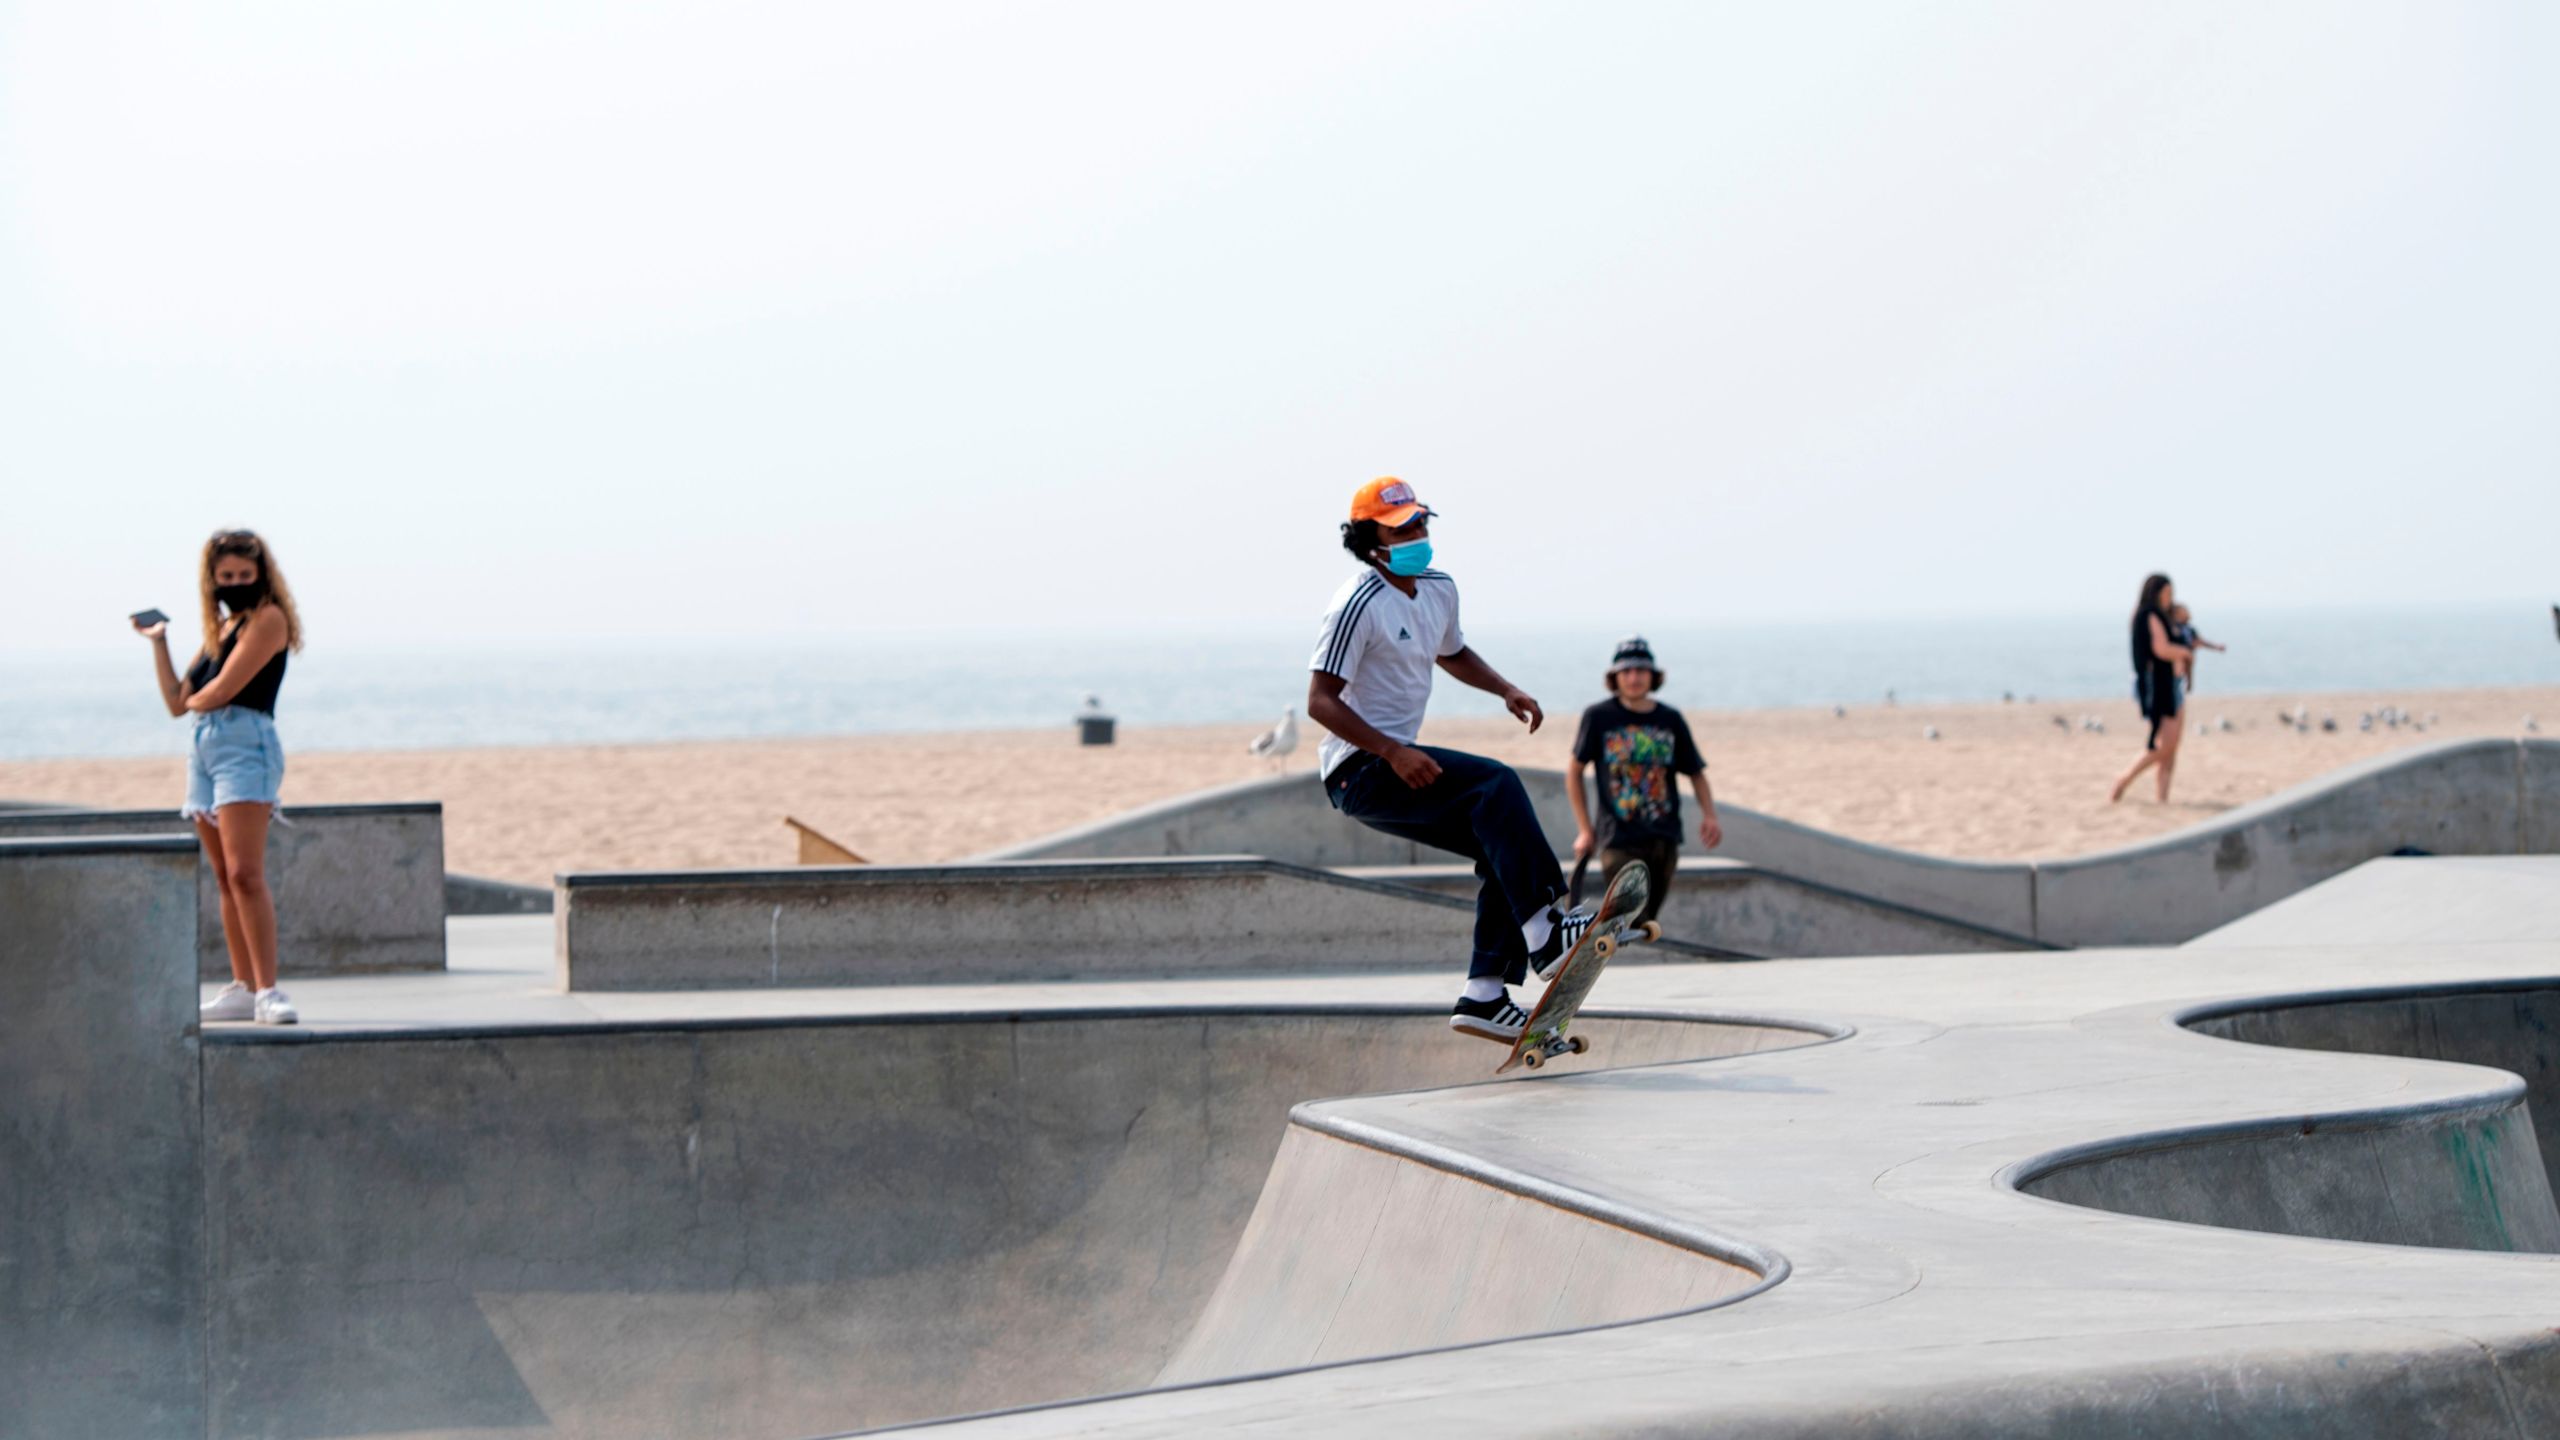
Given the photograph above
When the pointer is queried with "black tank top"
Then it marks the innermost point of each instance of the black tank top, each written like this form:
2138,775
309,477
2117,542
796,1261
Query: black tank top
259,694
2151,672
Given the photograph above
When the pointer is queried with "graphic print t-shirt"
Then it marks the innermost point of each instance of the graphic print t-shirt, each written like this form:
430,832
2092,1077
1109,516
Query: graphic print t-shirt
1639,759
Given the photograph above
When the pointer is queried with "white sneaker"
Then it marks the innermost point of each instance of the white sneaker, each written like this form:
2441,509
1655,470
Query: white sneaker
275,1009
232,1003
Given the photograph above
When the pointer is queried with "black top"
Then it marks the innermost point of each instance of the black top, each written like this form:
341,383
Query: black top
2154,679
1637,755
259,694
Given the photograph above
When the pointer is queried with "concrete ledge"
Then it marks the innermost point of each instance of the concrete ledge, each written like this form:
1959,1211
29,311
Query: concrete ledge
974,923
101,1253
2456,797
359,888
1741,912
1287,818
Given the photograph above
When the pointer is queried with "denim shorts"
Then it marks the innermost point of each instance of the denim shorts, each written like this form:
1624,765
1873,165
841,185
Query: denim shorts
235,759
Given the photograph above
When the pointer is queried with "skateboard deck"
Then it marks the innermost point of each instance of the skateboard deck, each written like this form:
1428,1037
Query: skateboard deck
1545,1037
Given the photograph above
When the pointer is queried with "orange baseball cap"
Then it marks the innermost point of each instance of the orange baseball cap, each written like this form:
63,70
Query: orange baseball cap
1387,500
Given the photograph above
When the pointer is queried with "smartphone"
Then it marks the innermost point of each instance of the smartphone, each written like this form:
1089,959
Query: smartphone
149,617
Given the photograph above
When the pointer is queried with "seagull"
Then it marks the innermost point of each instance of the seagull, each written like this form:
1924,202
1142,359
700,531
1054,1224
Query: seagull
2555,617
1839,712
2328,724
1928,732
2530,725
2061,724
1276,743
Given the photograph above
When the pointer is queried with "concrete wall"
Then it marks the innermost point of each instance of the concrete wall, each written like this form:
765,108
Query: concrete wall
757,1230
1287,818
101,1238
2457,797
976,923
359,888
1742,912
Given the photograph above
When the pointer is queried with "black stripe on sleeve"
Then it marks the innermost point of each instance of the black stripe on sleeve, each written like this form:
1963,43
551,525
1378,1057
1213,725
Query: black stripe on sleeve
1348,625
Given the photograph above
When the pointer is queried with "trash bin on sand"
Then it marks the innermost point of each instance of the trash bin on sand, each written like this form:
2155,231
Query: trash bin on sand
1093,724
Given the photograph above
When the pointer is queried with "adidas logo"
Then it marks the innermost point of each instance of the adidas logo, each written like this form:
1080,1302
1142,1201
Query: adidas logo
1403,634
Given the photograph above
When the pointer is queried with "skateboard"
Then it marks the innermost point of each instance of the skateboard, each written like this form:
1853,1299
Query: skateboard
1544,1037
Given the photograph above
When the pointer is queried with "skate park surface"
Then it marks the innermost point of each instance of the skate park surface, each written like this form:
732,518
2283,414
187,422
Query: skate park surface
2288,1178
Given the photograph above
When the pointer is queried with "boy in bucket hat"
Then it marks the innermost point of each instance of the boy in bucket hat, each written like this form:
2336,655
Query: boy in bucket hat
1640,745
1385,631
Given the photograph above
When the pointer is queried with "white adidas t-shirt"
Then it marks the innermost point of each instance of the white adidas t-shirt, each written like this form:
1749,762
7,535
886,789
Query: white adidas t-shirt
1383,645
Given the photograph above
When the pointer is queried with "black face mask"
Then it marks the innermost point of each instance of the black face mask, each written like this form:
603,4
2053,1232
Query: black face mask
237,598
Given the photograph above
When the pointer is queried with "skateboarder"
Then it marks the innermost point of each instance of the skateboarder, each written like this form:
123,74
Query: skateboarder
1641,745
1385,630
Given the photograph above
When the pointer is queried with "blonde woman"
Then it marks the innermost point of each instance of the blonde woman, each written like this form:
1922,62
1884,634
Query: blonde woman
236,766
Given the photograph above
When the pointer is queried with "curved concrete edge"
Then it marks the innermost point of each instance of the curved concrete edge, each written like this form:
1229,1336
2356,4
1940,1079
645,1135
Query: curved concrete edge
2454,797
1452,1254
2485,796
2462,1172
1927,1295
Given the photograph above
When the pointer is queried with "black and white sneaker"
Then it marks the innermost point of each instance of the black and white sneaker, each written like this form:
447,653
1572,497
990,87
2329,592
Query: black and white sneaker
1570,926
1496,1019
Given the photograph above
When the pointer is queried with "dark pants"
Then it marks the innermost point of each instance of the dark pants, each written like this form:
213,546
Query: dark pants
1478,809
1661,860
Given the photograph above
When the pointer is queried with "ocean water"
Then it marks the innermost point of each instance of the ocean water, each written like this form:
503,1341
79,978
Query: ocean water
340,698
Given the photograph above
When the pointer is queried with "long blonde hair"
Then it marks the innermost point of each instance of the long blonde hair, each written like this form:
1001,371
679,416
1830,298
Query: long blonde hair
247,545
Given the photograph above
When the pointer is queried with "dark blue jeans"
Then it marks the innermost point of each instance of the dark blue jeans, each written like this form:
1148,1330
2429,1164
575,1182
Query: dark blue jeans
1478,809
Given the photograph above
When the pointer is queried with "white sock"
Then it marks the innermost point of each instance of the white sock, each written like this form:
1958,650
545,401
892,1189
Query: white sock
1538,928
1484,987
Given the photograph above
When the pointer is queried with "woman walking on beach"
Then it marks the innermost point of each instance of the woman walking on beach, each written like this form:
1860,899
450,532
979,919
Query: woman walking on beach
235,765
2156,658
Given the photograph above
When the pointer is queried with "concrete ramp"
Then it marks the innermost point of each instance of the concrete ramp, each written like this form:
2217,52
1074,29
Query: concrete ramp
1355,1252
771,1230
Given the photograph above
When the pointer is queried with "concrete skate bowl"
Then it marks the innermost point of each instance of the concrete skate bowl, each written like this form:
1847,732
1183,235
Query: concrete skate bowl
785,1229
2473,1173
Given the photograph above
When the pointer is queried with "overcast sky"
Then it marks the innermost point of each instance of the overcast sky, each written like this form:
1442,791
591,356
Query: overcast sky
544,323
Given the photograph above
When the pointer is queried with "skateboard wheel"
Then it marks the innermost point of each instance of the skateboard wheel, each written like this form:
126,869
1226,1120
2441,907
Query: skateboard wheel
1605,946
1532,1059
1652,930
1577,1044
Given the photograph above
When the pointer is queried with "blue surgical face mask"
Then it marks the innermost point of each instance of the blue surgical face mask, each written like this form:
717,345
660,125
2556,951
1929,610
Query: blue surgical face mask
1410,558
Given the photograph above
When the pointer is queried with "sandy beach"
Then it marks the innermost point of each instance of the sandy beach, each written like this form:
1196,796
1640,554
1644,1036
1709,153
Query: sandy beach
2001,782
